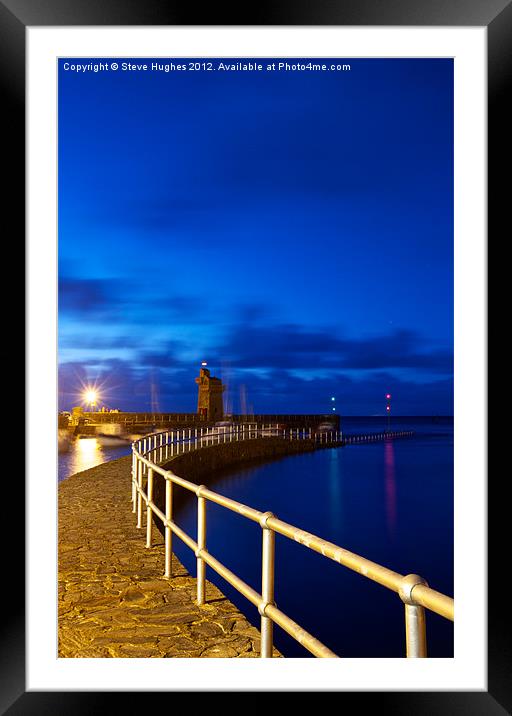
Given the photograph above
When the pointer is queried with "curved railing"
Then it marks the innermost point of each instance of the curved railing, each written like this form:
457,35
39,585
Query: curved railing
151,450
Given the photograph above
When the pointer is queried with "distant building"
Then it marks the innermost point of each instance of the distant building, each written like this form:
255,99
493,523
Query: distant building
209,399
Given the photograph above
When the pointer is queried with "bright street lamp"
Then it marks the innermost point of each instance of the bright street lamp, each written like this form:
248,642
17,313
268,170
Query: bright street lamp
91,397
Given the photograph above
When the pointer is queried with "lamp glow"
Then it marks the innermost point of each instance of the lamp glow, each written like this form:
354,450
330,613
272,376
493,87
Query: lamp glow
90,397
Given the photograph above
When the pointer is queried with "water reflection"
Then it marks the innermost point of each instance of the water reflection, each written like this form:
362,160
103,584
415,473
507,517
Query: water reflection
86,452
335,501
390,483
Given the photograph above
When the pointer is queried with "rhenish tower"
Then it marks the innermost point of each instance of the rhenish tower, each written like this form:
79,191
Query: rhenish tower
209,399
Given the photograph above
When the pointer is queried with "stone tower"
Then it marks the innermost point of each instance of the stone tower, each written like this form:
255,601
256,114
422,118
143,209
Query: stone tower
209,399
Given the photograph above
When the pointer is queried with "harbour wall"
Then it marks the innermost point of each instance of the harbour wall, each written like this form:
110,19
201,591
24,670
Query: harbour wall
141,422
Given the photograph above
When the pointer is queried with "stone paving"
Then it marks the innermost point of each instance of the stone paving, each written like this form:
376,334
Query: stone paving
113,600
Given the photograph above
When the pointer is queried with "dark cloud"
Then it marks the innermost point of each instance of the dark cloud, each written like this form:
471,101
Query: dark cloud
142,302
400,349
84,296
291,346
97,342
168,357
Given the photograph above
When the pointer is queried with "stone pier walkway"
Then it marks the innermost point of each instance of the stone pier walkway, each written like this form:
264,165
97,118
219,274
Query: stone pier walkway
113,600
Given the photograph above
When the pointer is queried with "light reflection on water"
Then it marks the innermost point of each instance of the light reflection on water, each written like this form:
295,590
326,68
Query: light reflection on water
390,480
86,452
335,498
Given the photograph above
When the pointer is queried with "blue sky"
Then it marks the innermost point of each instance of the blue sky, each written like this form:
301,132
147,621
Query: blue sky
293,229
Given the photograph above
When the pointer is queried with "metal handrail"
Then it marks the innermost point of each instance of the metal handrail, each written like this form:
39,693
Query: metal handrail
162,446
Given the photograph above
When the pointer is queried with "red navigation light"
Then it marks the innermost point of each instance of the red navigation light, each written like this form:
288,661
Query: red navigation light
388,396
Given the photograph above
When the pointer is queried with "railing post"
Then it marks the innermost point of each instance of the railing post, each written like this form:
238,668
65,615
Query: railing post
415,627
201,545
134,477
415,631
139,496
149,520
267,585
168,531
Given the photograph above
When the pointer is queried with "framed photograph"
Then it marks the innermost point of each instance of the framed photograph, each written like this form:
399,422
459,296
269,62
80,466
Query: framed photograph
260,237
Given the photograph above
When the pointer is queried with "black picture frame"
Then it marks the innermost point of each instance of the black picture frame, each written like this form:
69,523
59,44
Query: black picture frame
15,17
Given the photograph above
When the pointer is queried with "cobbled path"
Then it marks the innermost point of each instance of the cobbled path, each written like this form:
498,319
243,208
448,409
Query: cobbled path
113,600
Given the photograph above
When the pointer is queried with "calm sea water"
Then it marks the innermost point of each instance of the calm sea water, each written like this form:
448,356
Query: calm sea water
391,502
